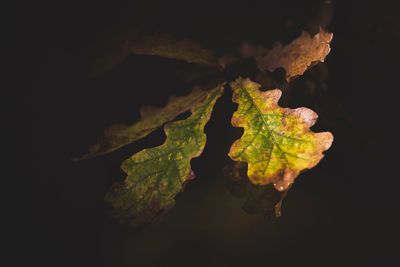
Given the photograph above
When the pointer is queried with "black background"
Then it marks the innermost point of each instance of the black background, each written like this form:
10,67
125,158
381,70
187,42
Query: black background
342,213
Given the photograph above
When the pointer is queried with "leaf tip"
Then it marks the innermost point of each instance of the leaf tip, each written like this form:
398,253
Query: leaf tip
324,140
308,116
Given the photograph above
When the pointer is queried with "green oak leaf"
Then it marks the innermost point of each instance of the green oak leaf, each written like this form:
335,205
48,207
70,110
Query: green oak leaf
156,175
277,143
152,118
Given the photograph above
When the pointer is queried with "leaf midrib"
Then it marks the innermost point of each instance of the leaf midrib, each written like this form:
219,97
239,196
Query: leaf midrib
274,143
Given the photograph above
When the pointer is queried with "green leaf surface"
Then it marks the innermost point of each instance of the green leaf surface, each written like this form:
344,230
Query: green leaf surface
156,175
277,143
152,118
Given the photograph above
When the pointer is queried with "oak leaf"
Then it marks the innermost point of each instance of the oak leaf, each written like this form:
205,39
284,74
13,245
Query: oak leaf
162,45
152,118
257,199
156,175
277,143
296,57
166,46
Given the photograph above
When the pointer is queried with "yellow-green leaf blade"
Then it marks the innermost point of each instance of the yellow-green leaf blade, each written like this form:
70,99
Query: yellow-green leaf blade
152,118
156,175
277,143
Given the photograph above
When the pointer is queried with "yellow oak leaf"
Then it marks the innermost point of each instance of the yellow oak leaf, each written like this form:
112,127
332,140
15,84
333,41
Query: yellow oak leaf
277,143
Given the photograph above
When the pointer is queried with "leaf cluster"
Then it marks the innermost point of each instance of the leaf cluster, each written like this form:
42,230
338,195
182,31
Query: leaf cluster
276,146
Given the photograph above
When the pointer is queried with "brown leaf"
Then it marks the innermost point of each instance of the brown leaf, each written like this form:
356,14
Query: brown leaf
295,57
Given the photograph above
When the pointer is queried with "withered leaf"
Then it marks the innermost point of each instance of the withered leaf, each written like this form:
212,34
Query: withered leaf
295,57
